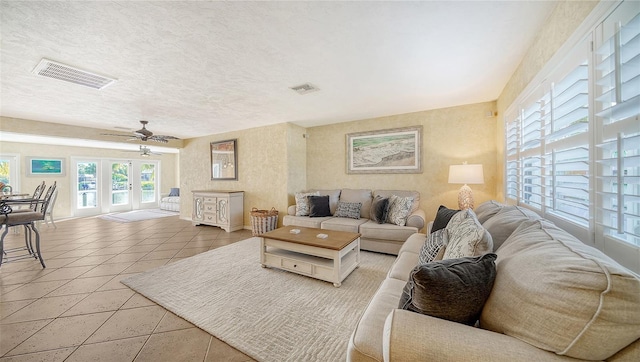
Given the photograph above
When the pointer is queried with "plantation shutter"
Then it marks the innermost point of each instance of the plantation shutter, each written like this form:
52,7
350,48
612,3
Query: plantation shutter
512,171
617,102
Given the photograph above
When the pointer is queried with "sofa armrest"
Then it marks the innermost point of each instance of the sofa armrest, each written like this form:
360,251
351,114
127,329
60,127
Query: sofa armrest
291,210
416,219
410,336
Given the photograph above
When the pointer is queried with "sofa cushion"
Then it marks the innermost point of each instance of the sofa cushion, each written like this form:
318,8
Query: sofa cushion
343,224
487,210
402,267
432,245
366,341
466,237
505,221
348,209
373,230
302,203
415,195
304,221
443,215
379,209
560,295
413,244
334,196
399,209
454,289
319,206
362,196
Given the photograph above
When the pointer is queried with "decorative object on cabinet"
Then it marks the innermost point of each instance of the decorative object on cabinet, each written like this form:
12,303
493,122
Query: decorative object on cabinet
466,174
396,150
224,160
218,208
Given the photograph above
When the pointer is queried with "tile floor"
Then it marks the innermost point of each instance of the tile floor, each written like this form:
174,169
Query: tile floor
76,309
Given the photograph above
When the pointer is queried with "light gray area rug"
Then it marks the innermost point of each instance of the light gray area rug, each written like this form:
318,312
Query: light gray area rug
269,314
138,215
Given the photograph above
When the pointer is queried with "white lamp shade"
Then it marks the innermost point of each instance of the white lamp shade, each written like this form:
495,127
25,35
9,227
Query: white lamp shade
466,174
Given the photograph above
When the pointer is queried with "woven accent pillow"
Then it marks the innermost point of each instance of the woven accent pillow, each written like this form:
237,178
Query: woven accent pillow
454,289
302,202
432,245
379,209
399,209
466,236
348,209
319,206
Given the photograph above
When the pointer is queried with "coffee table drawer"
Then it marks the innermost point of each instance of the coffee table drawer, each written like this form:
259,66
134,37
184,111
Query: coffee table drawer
297,266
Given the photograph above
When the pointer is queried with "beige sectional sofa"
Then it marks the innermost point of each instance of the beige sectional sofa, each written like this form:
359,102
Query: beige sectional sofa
553,299
384,238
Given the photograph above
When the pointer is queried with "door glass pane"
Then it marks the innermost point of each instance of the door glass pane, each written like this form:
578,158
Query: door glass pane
148,182
119,183
5,169
87,194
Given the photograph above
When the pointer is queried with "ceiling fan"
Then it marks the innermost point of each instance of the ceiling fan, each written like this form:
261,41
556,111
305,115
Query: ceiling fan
146,151
144,134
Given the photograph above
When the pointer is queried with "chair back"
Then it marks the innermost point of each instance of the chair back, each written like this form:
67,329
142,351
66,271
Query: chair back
36,196
44,204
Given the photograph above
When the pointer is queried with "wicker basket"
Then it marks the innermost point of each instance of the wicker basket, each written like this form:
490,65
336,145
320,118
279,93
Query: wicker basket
263,220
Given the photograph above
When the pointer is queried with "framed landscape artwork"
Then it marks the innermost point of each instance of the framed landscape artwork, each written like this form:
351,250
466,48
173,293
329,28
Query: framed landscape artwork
46,166
224,160
397,150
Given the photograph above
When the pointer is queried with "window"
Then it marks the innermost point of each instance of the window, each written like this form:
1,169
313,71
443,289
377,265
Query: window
9,172
617,102
572,142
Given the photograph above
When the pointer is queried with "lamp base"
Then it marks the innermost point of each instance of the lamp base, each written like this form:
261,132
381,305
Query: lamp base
465,198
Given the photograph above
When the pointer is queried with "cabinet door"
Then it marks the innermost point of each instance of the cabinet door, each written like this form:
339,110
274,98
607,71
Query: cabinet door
198,209
223,211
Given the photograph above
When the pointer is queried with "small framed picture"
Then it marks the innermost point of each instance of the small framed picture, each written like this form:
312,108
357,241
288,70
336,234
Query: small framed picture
40,166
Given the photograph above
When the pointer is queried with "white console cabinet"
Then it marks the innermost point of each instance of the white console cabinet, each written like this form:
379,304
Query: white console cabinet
224,209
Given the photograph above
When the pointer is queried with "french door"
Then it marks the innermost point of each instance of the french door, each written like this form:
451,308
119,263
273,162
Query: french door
107,185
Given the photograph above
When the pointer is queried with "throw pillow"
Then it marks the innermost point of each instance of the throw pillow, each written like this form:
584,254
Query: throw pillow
379,209
454,289
175,191
319,206
302,203
432,245
399,209
443,216
466,236
348,209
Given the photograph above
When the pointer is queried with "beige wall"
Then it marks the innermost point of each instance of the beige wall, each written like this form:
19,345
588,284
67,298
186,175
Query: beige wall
450,136
63,207
270,163
562,22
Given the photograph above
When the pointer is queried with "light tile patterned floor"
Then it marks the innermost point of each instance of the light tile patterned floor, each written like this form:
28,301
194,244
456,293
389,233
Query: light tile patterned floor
77,310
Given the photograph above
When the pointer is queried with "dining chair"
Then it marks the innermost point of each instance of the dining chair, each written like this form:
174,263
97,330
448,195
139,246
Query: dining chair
27,219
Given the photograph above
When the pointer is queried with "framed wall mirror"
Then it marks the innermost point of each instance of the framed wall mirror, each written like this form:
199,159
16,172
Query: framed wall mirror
224,160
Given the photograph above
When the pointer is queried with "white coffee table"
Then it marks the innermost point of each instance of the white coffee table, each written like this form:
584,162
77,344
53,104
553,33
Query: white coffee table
331,259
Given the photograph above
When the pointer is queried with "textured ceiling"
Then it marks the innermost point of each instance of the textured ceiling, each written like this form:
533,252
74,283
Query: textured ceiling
194,68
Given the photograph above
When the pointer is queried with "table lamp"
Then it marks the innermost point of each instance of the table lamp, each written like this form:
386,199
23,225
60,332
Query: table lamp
466,174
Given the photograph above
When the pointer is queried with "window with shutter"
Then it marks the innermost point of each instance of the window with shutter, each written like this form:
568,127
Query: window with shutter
617,102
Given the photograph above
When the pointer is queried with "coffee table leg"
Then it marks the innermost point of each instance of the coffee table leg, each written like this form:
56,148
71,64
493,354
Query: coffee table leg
337,285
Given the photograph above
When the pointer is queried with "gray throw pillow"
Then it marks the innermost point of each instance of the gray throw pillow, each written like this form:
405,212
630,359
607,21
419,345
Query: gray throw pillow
379,209
319,206
175,191
432,245
453,289
443,216
348,209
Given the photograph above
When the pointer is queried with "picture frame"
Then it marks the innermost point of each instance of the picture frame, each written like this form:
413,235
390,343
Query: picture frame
41,166
395,150
224,160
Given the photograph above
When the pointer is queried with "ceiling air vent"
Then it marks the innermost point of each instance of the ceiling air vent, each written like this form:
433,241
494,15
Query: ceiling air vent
305,88
49,68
